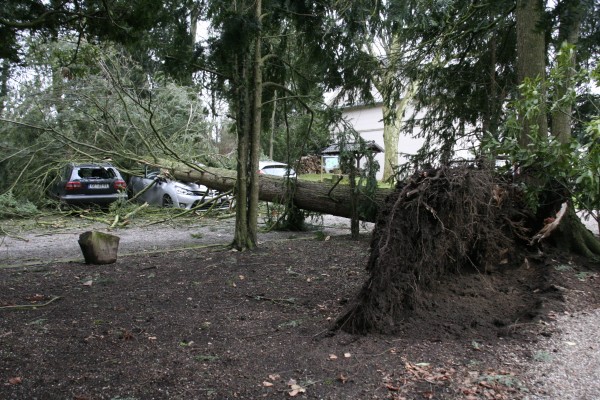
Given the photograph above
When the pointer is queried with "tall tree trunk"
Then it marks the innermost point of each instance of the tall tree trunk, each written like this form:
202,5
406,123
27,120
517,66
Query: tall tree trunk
273,115
393,118
255,136
531,59
249,127
490,116
531,64
570,19
241,239
4,76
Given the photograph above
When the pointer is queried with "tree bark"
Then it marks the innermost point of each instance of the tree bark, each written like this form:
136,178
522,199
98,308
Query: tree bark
320,197
531,60
240,237
570,20
253,197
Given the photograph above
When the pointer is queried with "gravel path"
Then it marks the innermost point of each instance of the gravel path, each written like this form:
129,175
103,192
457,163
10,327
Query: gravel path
60,244
569,362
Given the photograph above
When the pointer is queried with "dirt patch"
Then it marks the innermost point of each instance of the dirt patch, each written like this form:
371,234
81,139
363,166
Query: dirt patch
205,324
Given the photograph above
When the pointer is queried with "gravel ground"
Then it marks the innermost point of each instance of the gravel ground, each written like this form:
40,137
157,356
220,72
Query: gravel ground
570,360
569,367
60,243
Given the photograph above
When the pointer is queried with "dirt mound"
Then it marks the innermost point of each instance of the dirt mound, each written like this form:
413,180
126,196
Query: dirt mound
445,221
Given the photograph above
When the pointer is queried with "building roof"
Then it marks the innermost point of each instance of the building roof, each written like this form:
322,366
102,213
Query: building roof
334,149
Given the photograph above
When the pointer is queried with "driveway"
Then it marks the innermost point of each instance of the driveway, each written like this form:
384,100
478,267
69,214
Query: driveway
59,241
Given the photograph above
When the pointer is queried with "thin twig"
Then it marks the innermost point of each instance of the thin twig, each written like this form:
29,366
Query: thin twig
30,306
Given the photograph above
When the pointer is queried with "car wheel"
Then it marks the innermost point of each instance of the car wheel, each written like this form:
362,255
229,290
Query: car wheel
167,201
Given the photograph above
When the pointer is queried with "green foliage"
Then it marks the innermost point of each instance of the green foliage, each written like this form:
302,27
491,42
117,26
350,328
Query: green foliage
11,207
572,168
358,161
106,107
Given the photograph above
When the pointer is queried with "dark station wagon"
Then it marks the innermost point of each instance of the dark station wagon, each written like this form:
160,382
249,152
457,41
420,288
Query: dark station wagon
84,184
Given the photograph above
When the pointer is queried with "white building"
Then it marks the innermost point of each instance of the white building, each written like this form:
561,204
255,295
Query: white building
368,122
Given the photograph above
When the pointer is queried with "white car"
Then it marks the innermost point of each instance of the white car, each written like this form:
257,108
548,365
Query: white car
160,191
276,169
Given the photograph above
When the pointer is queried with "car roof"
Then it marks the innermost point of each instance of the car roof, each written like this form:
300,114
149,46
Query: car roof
263,164
92,165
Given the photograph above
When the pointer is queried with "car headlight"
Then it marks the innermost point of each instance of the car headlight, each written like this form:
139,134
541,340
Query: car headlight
180,190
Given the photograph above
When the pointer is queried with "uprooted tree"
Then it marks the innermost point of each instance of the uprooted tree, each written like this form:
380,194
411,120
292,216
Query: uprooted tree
444,221
448,220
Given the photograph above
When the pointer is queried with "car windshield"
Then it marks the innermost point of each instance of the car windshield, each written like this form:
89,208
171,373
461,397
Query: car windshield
95,172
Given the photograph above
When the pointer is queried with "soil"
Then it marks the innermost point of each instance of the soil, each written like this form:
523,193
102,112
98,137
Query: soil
190,321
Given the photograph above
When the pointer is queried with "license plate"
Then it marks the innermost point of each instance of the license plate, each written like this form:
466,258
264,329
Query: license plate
98,186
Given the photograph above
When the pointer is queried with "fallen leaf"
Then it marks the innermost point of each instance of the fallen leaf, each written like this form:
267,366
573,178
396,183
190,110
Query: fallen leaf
15,380
242,277
347,355
274,377
267,384
88,283
291,382
333,357
296,390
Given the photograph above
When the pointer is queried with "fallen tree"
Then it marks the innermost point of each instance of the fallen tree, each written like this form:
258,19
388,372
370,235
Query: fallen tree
323,197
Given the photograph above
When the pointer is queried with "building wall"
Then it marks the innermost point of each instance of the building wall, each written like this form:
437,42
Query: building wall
368,122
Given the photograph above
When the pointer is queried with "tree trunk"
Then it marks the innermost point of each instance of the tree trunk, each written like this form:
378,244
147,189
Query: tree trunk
531,60
241,239
4,77
249,125
394,106
392,126
319,197
570,20
273,116
574,237
257,87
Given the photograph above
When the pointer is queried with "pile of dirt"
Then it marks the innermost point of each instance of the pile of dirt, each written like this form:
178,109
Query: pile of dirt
440,222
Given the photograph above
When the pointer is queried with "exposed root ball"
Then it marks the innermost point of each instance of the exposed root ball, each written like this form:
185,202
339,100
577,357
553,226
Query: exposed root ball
440,222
